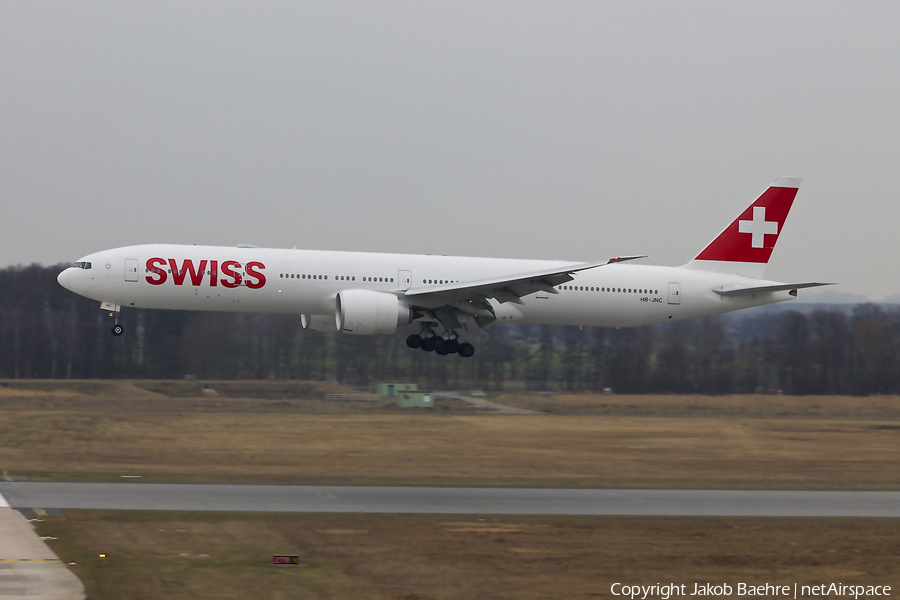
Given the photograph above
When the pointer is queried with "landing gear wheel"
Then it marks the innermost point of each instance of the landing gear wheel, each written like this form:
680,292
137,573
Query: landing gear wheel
414,341
428,344
442,350
466,350
437,343
118,329
451,346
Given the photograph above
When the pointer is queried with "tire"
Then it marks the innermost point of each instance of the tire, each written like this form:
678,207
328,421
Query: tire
466,350
118,329
442,350
437,342
427,344
414,341
451,346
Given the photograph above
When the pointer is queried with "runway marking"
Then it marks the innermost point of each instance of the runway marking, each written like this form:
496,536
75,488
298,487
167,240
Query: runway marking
3,502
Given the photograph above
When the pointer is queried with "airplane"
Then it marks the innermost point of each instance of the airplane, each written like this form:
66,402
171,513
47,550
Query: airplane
363,293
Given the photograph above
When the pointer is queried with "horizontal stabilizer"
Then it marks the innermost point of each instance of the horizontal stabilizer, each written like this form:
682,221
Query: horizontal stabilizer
781,287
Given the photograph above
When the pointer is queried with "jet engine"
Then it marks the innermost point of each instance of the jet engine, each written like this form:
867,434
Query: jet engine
318,323
364,312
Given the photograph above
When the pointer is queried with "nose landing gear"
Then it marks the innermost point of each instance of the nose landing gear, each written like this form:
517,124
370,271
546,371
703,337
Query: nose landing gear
114,310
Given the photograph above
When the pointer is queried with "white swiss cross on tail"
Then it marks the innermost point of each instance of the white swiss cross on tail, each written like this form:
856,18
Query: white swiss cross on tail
764,221
758,227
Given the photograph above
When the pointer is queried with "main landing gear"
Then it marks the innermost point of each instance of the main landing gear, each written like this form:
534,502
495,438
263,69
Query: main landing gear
441,346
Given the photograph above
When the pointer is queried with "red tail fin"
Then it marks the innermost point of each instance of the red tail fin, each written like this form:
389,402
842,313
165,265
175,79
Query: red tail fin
752,236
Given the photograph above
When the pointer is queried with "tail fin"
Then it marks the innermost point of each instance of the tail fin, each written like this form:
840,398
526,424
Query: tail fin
745,245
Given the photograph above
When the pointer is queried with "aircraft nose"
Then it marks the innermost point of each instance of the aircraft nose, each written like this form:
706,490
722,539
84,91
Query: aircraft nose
65,279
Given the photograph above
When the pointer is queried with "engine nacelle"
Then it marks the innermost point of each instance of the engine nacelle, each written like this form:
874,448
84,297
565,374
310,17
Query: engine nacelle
318,323
364,312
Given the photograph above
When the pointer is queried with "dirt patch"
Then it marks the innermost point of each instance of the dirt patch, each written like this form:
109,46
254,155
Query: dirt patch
6,392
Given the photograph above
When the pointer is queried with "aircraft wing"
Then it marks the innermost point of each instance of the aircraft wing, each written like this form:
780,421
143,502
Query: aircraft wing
471,296
781,287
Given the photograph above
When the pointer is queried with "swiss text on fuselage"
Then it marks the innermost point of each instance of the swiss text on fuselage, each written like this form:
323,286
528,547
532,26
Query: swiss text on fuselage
230,273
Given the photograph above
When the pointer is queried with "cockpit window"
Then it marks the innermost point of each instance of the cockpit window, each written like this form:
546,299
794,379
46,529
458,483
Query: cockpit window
81,265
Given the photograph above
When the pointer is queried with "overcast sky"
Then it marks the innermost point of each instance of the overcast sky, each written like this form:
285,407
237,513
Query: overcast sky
571,130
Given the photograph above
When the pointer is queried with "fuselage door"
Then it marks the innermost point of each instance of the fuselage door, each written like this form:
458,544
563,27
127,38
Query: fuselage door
131,269
405,279
674,292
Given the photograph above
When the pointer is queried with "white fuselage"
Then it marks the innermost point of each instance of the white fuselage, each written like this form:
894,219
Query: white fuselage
215,278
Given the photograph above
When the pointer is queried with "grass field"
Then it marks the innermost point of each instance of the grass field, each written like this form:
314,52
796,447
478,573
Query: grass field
288,433
285,432
221,555
882,408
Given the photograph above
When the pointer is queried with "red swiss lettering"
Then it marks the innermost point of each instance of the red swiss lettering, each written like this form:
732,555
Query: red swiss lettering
187,266
228,271
213,274
157,276
255,279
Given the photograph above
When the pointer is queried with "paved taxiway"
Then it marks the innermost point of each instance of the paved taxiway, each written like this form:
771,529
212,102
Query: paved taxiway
28,567
510,501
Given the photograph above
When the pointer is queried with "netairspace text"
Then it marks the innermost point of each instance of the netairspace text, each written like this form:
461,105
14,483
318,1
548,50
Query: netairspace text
795,590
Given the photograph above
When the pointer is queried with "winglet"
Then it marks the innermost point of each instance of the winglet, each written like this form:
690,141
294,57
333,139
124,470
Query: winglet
618,259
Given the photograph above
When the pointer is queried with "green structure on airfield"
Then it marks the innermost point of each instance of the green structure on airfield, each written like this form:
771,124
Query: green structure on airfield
415,399
407,393
393,388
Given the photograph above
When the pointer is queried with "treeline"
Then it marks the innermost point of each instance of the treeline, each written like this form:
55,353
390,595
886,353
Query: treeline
49,332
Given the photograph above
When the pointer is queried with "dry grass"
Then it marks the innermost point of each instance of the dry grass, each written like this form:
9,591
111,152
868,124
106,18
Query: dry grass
284,432
179,396
689,405
440,557
287,441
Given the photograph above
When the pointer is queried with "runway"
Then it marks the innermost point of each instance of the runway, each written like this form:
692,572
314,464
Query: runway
425,500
